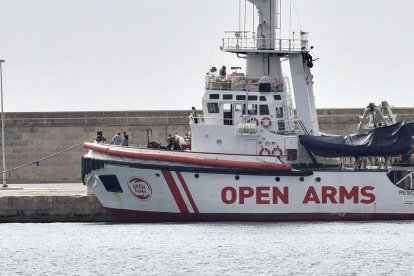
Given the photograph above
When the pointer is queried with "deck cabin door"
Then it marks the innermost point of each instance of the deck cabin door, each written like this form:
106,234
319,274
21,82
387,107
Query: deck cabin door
228,114
237,113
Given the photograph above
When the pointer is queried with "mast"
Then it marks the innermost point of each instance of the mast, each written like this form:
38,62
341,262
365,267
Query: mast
266,29
262,62
264,53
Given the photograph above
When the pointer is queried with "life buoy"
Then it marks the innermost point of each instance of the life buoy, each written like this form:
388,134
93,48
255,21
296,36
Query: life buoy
264,151
253,119
266,122
277,152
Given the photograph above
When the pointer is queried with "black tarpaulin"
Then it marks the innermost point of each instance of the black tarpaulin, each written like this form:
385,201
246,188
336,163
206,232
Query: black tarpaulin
388,140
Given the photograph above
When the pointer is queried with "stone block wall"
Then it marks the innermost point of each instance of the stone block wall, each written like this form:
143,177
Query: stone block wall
32,136
52,209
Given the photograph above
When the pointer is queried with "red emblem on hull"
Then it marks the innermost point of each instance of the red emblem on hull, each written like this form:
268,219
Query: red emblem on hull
140,188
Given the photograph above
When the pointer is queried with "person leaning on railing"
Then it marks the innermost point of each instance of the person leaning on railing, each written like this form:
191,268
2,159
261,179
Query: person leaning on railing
194,115
223,72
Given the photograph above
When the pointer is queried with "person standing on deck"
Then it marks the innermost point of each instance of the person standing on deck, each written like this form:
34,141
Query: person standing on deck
194,115
117,140
125,142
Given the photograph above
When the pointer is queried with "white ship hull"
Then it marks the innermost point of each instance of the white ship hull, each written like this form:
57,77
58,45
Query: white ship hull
159,191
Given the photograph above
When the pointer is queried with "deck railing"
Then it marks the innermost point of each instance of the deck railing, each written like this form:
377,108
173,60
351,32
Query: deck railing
284,126
240,83
255,44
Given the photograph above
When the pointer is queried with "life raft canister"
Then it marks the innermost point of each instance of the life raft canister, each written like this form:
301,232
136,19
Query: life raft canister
277,152
266,122
253,119
264,151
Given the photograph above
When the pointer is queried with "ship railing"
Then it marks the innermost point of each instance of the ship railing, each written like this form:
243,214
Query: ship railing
287,126
239,82
264,44
198,119
248,124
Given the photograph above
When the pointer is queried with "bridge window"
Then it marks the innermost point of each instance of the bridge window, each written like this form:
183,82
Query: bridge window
252,98
251,109
279,112
262,98
277,97
238,107
240,97
281,126
227,97
214,96
264,109
213,108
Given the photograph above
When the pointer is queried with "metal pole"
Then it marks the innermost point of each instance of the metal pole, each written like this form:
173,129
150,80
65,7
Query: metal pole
2,124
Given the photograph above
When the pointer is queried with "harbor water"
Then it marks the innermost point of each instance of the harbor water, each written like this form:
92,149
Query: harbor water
338,248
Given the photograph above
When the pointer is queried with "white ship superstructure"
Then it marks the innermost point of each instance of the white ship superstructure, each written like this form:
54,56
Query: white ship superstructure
251,159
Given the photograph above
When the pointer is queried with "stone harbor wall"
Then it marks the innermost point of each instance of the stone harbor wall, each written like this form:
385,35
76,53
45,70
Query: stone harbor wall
33,136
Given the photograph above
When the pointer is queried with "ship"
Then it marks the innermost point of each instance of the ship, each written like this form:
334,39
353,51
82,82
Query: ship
256,153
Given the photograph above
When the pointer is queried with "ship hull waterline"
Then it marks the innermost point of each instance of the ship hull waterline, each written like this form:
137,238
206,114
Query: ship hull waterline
130,216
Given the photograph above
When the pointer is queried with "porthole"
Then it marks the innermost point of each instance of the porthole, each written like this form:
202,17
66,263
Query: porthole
196,175
301,179
237,177
318,179
277,179
157,175
219,142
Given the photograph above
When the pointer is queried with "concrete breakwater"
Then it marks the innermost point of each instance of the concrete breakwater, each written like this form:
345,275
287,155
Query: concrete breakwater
67,202
31,136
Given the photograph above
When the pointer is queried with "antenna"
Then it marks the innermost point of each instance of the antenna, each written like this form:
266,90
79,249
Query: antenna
211,58
278,19
240,15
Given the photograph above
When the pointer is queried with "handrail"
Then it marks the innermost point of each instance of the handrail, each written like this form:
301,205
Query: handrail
241,83
246,119
252,43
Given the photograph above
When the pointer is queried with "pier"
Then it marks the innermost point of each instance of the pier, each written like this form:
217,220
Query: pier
51,202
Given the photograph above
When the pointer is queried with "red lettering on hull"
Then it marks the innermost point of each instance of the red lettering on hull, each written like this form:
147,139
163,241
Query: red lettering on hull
260,195
311,195
330,194
366,191
266,195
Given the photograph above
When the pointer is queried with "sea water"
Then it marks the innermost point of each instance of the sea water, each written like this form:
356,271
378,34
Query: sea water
338,248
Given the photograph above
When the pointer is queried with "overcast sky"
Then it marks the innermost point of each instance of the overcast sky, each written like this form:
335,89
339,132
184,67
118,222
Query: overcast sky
85,55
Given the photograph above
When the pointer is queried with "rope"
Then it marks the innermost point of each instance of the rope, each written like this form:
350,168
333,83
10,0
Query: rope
297,15
46,157
253,31
245,10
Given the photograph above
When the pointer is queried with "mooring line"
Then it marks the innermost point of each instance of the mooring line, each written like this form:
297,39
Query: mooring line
46,157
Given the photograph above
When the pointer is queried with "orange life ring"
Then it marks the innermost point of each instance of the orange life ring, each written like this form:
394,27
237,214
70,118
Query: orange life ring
277,152
253,119
266,122
264,151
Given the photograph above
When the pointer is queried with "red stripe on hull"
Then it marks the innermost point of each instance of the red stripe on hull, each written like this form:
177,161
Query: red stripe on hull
187,191
178,158
128,216
175,192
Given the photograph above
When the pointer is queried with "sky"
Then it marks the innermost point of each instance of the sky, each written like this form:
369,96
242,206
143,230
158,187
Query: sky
109,55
